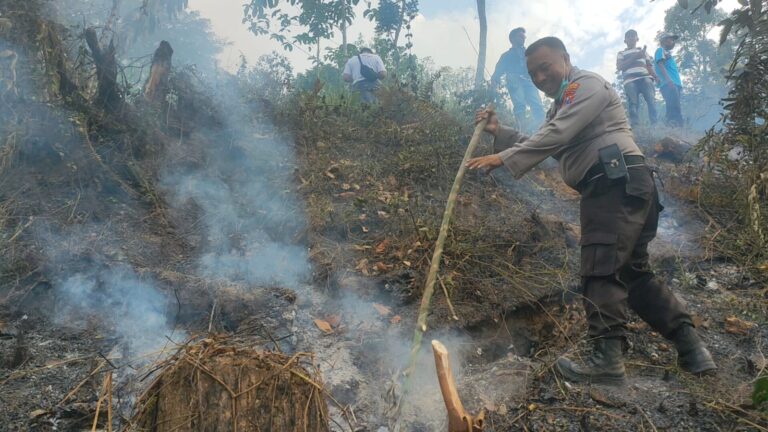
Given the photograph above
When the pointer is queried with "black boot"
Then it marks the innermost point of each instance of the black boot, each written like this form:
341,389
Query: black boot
603,366
692,354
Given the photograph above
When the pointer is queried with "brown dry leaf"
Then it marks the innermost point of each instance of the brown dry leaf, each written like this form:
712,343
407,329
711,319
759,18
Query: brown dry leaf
37,413
395,319
763,267
637,325
382,310
330,175
362,266
737,326
698,321
346,195
334,320
382,247
361,247
382,214
407,263
381,267
346,186
323,325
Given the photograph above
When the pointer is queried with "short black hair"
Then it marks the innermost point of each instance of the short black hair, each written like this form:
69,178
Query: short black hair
629,33
515,31
549,41
366,50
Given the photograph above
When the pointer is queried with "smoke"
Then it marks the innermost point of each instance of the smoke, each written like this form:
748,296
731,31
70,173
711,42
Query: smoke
133,308
252,222
93,283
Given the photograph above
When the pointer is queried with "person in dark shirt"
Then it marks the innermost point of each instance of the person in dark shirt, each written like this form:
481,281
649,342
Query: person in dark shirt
524,95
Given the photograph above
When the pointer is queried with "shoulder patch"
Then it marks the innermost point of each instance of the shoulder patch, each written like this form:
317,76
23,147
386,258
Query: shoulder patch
569,95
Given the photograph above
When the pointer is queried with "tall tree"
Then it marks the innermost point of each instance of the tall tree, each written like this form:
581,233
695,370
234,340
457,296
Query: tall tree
480,72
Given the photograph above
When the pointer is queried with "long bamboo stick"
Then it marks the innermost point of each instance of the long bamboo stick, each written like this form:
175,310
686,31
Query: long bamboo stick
429,287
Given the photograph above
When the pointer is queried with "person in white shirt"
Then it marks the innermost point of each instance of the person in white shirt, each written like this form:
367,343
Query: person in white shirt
354,73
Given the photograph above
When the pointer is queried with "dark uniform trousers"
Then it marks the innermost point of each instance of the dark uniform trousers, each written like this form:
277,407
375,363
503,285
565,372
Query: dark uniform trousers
618,220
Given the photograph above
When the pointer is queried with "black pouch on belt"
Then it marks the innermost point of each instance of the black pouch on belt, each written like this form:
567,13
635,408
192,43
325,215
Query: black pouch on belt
612,161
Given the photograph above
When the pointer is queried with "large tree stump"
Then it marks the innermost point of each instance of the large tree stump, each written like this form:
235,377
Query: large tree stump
215,386
108,95
156,87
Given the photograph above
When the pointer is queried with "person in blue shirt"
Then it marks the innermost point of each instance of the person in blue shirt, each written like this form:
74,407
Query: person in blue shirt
513,67
669,78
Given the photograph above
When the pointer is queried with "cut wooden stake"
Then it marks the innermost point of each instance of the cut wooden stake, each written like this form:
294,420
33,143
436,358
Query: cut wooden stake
458,419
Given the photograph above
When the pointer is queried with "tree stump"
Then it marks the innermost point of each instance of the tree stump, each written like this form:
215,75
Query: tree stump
108,95
156,87
219,386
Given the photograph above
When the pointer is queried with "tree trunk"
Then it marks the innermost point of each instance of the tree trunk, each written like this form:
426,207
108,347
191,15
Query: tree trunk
156,86
108,95
480,73
399,25
344,29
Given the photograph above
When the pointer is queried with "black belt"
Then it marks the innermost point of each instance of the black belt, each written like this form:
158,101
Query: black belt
596,171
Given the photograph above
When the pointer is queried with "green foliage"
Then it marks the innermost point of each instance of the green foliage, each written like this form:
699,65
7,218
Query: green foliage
735,187
703,64
317,19
760,391
271,78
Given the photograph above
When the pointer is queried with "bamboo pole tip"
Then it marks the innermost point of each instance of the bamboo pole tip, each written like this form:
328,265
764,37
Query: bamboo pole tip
438,347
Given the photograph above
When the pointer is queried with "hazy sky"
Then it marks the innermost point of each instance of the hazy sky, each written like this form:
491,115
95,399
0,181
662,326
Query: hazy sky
593,30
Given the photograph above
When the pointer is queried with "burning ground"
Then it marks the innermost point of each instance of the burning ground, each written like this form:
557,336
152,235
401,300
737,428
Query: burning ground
192,220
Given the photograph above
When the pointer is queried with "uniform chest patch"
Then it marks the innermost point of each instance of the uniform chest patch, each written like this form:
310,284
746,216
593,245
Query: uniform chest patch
569,95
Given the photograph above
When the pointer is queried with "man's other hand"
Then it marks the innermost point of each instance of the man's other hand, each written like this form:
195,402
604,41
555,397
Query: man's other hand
488,163
492,127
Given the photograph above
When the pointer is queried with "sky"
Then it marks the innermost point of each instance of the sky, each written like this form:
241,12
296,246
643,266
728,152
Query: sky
447,30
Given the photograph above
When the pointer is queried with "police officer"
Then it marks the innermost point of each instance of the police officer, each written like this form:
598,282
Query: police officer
587,132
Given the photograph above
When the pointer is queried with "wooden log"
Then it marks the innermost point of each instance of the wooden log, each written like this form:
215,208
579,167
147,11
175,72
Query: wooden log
156,86
458,419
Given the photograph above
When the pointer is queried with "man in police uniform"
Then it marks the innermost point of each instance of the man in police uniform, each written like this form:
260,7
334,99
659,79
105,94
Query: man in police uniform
588,133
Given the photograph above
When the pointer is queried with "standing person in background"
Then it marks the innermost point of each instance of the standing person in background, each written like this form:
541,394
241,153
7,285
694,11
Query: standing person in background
512,67
669,78
364,71
638,75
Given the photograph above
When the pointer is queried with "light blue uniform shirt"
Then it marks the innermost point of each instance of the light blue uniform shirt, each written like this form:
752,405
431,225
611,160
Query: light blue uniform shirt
665,57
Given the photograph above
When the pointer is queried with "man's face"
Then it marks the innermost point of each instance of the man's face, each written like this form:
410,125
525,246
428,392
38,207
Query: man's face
548,68
668,43
518,39
631,40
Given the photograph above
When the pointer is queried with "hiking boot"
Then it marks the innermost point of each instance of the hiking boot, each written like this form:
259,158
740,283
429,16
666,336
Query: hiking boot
603,366
692,354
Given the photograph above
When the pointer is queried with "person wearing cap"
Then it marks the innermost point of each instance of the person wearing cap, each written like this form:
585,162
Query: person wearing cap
637,73
669,78
511,66
587,132
353,73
